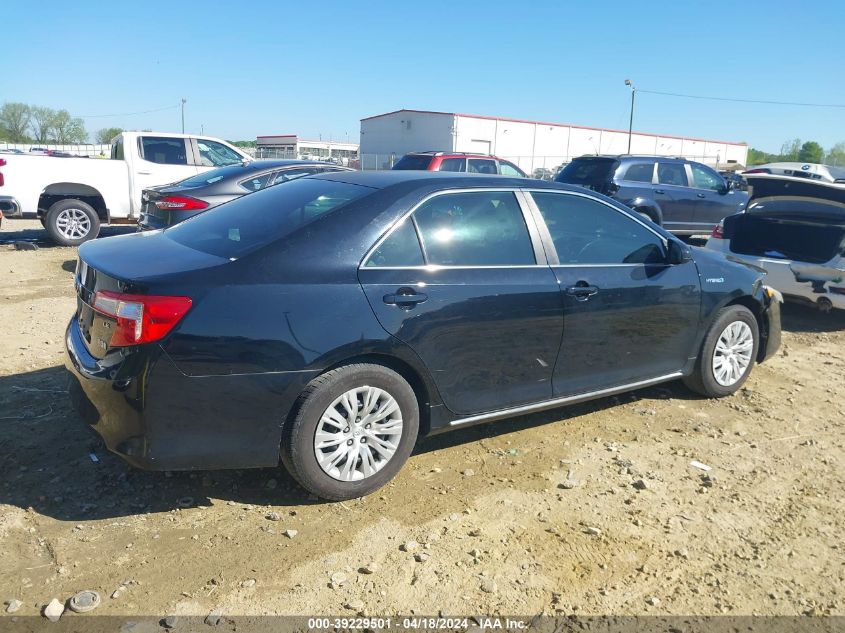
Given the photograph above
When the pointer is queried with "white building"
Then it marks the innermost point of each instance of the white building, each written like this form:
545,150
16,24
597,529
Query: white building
291,146
531,144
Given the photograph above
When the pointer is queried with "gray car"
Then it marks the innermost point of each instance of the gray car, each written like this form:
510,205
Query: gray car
170,204
682,196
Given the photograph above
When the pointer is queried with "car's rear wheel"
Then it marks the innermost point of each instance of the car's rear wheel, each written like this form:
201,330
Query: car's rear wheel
72,222
727,354
354,428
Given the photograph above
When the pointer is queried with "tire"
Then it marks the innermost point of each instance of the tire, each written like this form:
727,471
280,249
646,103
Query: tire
345,479
71,222
716,379
646,216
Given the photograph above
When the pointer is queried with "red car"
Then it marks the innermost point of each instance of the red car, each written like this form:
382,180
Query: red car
459,161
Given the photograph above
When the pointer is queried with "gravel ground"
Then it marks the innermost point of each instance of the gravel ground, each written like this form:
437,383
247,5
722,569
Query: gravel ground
594,509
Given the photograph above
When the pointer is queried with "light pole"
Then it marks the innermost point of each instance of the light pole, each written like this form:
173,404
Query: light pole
184,100
631,120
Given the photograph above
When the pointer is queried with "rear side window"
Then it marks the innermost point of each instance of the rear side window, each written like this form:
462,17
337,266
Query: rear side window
400,249
672,174
117,149
453,164
250,222
214,154
481,166
285,175
588,172
259,181
163,150
474,229
413,161
639,172
586,231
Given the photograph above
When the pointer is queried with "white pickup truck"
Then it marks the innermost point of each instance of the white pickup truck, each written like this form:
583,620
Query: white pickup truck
73,197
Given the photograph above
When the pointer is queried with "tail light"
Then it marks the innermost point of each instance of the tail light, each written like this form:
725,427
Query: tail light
180,203
2,164
140,318
718,232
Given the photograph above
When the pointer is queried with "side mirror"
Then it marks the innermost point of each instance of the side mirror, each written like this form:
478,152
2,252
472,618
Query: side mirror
729,184
678,253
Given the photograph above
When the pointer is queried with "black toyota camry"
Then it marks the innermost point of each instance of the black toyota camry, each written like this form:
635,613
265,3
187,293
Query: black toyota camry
331,320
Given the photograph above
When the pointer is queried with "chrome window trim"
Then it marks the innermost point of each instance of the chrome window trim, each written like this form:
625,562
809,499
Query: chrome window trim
527,217
556,402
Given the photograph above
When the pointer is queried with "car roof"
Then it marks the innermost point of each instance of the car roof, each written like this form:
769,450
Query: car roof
439,180
270,163
628,157
442,153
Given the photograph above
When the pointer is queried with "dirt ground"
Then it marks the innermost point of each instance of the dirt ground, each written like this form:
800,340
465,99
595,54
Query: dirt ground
533,515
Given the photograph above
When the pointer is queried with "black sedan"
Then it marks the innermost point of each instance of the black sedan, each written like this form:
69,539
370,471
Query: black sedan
170,204
330,321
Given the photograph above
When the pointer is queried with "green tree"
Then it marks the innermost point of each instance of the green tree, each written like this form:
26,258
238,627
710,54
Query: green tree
14,121
67,129
108,133
836,155
789,151
41,123
811,152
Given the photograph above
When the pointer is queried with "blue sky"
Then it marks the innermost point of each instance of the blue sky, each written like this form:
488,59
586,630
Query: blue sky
317,68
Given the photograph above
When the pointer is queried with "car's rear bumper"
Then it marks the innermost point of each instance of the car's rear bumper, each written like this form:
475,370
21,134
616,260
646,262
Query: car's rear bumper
157,418
10,207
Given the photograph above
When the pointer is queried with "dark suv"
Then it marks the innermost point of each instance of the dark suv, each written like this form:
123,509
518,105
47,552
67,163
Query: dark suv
685,197
460,162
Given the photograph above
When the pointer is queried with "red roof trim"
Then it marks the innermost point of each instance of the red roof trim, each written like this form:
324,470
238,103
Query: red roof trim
569,125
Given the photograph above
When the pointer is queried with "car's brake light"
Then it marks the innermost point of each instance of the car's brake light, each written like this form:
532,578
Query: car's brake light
180,203
759,170
140,318
718,232
2,164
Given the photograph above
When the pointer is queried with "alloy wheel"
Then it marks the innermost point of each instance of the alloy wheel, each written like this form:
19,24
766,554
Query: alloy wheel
358,434
732,354
73,224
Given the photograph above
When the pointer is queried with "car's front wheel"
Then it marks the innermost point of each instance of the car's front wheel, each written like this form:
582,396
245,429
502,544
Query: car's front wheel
727,354
354,428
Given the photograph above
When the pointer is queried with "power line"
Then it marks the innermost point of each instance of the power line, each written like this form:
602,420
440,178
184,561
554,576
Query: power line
102,116
786,103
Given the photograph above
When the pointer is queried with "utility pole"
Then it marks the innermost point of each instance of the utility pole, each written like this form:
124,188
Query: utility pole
184,100
631,120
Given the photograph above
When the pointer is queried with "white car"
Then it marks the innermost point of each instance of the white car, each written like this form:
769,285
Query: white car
73,197
795,230
811,171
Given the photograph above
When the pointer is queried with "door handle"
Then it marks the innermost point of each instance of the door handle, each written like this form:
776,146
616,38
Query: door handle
144,173
700,195
405,298
659,191
582,291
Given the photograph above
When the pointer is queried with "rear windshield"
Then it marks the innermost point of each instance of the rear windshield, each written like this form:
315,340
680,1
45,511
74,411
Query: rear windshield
243,225
413,161
588,171
215,175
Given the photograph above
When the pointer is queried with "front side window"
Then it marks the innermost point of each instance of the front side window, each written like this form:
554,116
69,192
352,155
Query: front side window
639,172
163,150
453,164
214,154
704,178
509,169
672,174
474,229
586,231
250,222
481,166
400,249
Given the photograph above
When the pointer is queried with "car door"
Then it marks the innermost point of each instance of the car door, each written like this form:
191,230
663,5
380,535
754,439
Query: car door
713,200
163,160
463,282
629,316
673,194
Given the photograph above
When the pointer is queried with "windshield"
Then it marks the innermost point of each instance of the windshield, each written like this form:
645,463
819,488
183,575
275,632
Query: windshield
413,161
588,171
243,225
